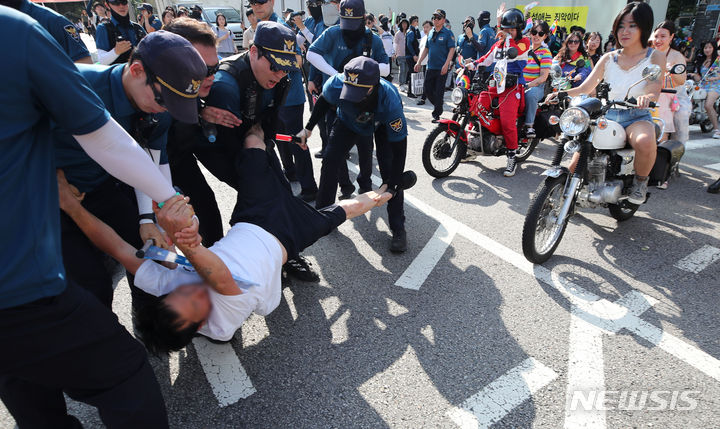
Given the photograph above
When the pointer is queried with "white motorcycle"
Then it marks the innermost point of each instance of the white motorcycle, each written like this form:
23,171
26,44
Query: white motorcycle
604,173
698,95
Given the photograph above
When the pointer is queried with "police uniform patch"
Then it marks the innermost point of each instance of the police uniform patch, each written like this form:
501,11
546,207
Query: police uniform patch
396,125
72,31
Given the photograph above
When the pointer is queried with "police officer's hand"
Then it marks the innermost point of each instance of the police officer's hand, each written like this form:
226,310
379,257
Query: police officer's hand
175,215
69,195
122,47
149,231
220,117
304,134
312,87
468,31
297,19
444,69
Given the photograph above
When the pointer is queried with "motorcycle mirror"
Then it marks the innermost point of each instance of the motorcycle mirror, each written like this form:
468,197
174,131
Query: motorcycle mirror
651,72
555,71
580,64
678,69
511,53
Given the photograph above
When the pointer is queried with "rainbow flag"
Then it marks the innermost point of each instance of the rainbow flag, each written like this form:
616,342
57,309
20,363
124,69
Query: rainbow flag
463,81
553,27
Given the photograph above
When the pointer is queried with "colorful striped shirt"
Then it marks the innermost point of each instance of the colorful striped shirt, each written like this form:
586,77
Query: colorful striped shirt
532,69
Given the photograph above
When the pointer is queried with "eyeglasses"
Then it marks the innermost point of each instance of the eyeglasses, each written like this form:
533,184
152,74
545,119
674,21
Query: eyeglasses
211,70
537,33
573,42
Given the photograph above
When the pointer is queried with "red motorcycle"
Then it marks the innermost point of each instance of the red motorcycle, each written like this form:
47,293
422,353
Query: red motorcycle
475,129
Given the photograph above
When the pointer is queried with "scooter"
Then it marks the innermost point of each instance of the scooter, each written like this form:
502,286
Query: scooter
698,95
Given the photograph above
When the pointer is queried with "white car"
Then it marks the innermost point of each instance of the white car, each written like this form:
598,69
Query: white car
233,16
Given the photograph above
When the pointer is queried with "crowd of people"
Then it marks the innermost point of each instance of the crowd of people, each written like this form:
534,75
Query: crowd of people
118,166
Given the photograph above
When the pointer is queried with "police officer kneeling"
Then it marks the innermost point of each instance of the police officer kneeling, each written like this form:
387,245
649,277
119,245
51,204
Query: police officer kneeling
366,105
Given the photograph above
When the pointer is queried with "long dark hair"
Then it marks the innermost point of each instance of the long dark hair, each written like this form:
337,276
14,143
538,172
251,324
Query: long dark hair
642,14
700,57
564,53
588,36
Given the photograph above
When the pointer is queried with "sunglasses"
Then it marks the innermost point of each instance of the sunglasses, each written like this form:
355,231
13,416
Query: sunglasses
273,67
118,2
437,17
573,42
258,1
211,70
537,33
152,80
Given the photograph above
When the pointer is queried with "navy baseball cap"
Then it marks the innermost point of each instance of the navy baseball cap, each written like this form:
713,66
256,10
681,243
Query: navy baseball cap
179,69
279,42
440,12
352,14
145,6
361,74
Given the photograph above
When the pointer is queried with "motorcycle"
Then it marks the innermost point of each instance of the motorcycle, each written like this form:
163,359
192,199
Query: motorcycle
603,175
697,96
474,129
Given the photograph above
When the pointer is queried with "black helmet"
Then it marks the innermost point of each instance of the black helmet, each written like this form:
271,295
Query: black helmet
513,18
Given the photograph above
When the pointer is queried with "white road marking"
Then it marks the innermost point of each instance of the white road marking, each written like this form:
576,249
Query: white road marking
287,293
586,371
701,144
715,166
423,264
498,398
699,259
227,377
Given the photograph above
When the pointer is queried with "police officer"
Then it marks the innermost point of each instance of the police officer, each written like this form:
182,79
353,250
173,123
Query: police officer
149,22
55,336
164,73
468,42
59,27
366,106
485,41
329,53
440,49
116,38
297,162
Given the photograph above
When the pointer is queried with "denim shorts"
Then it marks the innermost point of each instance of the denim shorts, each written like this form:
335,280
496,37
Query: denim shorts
627,117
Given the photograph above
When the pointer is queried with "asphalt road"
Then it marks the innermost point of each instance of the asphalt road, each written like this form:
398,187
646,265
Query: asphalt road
619,329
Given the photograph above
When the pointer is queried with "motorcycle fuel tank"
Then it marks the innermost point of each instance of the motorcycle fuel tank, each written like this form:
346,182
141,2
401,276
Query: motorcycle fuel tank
610,137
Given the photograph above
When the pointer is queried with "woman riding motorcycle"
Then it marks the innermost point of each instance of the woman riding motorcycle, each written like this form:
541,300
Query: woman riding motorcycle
536,74
511,95
570,54
622,68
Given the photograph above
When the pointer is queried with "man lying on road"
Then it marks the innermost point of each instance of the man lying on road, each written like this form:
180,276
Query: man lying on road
241,272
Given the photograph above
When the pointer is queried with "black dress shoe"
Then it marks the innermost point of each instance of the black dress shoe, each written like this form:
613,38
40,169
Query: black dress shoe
363,190
411,95
398,244
319,154
715,187
345,195
435,119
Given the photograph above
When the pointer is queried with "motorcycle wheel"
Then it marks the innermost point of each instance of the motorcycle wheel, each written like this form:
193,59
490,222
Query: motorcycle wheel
622,213
524,152
541,236
439,157
706,126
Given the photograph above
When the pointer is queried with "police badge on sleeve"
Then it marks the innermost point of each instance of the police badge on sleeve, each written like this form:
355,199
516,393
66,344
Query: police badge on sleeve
396,125
72,31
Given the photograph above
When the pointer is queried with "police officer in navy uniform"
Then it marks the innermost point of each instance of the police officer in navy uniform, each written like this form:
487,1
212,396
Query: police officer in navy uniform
329,53
116,38
163,60
59,27
56,337
366,106
148,21
439,48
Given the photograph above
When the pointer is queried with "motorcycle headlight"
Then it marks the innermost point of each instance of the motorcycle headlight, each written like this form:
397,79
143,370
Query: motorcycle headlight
457,96
574,121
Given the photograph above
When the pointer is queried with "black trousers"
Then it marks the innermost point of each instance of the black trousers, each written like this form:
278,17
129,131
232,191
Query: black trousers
295,160
114,203
346,185
435,90
334,165
390,171
71,344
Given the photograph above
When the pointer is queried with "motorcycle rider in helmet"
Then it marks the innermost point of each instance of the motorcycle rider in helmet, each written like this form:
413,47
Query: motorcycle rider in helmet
509,83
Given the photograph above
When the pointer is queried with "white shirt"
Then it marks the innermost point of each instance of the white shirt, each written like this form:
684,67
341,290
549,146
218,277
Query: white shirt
248,37
254,258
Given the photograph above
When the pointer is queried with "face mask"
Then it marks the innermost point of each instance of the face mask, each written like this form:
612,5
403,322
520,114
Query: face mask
367,107
124,21
316,12
331,14
353,37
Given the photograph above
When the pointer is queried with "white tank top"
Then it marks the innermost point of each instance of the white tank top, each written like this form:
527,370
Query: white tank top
620,80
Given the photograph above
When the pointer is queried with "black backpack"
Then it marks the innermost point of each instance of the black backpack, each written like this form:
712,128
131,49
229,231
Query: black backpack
113,34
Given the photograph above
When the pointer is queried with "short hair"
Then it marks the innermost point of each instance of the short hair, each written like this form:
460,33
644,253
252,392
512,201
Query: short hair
413,18
159,327
168,12
192,30
96,4
642,14
543,26
249,12
427,21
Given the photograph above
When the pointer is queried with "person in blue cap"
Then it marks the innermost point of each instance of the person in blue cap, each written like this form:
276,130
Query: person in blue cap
162,78
149,22
56,337
329,53
59,27
468,42
439,48
115,38
366,106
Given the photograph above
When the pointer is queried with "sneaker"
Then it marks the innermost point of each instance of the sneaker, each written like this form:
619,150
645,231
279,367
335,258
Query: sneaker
530,132
301,269
663,185
638,192
420,102
398,244
716,134
511,166
715,187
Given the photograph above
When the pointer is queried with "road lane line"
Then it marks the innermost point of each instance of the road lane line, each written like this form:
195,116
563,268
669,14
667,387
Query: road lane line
715,166
699,259
227,377
500,397
423,264
701,144
574,293
586,372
